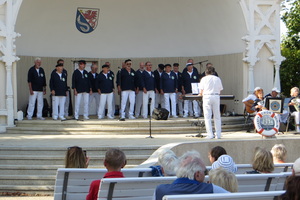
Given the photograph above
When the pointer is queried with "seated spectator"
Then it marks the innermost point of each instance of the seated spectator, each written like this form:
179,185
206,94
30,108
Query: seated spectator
279,153
191,172
215,153
167,161
292,184
114,161
76,158
224,179
262,162
225,162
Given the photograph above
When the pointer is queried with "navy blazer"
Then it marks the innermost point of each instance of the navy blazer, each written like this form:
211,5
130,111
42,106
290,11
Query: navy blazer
179,81
126,79
38,81
148,81
81,81
187,81
157,80
106,85
58,84
93,81
168,83
138,79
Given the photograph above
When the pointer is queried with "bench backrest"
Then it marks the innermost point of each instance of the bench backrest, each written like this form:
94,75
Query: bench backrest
73,184
143,188
228,196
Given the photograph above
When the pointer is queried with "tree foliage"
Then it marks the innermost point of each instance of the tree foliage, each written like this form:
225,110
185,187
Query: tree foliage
290,48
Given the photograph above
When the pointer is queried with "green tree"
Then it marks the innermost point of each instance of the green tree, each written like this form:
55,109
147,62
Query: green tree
290,47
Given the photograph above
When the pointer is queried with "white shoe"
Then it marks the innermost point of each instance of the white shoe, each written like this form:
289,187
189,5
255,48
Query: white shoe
41,118
209,137
175,116
54,119
131,117
185,116
100,117
86,118
62,118
110,118
29,118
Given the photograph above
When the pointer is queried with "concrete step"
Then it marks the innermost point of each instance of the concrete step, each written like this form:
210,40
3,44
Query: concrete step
28,179
28,189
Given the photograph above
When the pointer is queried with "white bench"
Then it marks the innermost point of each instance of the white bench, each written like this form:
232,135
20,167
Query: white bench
73,184
228,196
143,188
243,168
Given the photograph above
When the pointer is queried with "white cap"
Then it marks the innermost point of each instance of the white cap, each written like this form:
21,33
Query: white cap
226,162
257,88
275,90
296,167
188,64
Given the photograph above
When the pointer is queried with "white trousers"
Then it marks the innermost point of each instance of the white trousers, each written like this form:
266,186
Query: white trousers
113,105
211,105
179,102
188,106
95,96
85,97
167,98
138,103
128,94
31,104
297,120
58,101
106,99
159,99
67,103
146,97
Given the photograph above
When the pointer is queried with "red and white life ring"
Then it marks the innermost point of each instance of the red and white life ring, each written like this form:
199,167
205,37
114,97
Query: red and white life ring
266,123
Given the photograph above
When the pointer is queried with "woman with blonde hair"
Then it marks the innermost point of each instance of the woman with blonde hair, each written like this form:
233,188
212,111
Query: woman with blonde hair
262,162
76,158
279,153
224,179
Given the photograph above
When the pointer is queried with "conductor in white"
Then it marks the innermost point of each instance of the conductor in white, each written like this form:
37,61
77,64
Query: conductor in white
210,88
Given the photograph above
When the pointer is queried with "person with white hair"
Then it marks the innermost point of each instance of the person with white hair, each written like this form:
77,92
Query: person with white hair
191,172
36,79
168,161
279,153
292,104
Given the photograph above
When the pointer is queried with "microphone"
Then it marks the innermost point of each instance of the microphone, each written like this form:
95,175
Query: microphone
150,100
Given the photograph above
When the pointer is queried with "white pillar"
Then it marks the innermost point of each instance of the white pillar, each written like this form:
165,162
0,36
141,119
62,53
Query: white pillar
9,9
262,19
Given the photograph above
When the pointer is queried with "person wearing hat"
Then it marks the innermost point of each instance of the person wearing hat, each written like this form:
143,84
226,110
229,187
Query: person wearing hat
226,162
292,184
92,77
148,84
105,86
254,102
168,85
274,93
190,62
159,98
188,77
58,88
37,88
126,87
82,89
179,100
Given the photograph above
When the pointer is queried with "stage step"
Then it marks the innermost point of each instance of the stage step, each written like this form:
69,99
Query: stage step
108,127
32,170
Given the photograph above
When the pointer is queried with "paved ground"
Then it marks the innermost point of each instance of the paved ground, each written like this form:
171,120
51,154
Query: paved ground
15,140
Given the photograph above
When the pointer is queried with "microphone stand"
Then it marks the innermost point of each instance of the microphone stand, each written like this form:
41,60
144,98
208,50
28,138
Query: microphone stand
200,63
150,116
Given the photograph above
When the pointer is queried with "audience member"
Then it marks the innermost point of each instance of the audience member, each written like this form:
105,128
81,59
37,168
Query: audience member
224,178
76,158
279,153
114,161
191,172
215,153
168,161
262,162
225,162
292,184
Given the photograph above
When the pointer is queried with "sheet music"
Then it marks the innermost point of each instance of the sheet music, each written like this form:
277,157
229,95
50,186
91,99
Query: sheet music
195,88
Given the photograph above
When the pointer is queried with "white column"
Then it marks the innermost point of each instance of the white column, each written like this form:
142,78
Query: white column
9,11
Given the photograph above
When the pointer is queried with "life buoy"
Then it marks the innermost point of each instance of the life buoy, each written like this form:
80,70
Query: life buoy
266,123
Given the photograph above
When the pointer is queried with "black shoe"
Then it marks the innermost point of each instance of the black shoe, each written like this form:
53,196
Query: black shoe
122,119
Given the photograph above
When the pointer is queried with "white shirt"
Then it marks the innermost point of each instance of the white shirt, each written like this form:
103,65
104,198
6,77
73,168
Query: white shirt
190,73
250,97
211,84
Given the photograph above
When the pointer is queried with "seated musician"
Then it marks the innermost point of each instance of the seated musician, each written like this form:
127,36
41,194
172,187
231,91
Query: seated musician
254,102
294,107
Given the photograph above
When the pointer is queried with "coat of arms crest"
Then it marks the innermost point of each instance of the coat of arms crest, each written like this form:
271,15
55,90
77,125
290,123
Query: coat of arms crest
87,19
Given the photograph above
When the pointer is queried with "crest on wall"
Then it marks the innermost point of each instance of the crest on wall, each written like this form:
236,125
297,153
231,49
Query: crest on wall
87,19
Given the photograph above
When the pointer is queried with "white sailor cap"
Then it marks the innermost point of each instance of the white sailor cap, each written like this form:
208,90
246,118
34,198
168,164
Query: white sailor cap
275,89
